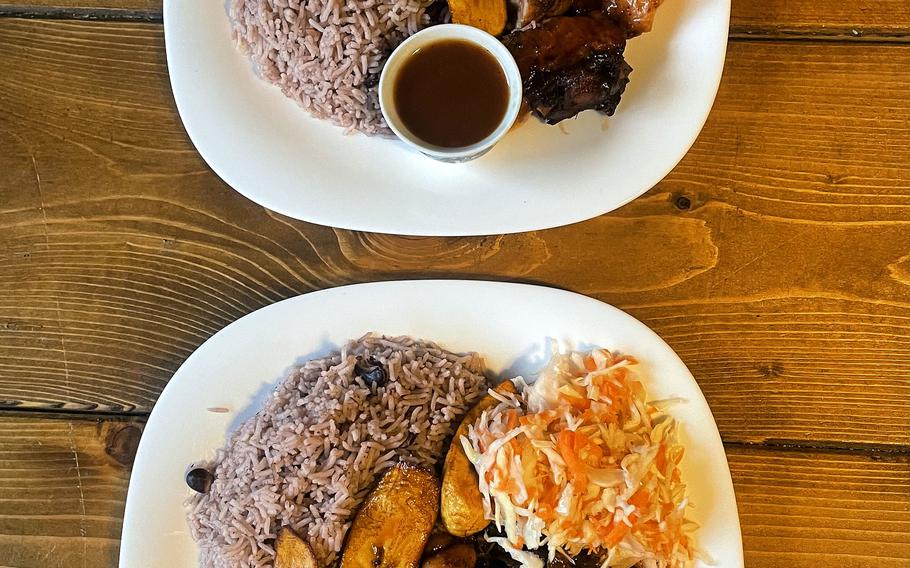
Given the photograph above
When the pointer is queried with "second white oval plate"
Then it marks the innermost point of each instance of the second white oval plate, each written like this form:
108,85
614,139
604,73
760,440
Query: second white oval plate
509,324
270,150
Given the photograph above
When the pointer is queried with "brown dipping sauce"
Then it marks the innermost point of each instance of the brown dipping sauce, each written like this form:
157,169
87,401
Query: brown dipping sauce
451,93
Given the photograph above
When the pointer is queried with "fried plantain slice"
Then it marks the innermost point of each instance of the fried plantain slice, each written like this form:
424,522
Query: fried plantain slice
393,524
291,551
462,504
488,15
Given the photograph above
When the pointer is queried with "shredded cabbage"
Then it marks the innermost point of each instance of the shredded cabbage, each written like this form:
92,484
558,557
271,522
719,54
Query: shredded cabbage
581,461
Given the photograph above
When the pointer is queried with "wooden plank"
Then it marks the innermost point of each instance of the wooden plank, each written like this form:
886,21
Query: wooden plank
822,509
62,490
87,7
63,483
866,19
775,259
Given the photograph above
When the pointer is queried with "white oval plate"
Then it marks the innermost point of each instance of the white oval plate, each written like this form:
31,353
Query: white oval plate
270,150
510,324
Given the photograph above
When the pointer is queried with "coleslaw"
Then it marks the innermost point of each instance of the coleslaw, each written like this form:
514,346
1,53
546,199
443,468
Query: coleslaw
580,461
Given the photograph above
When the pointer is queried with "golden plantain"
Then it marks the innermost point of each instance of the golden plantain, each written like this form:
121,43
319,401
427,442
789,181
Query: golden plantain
488,15
462,504
291,551
393,524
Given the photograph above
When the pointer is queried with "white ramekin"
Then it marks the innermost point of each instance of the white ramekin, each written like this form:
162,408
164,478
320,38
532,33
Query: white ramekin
439,33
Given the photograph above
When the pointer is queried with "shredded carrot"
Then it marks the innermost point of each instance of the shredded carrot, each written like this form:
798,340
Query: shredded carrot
640,499
577,474
661,458
616,534
512,419
679,455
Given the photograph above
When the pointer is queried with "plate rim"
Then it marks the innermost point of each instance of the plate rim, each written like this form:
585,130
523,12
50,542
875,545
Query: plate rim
379,224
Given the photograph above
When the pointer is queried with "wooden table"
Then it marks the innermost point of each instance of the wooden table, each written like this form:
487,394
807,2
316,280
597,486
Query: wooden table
775,259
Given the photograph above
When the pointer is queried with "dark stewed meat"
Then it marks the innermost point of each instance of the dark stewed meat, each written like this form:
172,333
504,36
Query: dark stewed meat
636,16
571,64
596,83
539,10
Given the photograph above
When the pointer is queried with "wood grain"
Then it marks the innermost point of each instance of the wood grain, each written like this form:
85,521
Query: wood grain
887,20
775,259
882,20
822,509
63,483
782,278
62,490
80,7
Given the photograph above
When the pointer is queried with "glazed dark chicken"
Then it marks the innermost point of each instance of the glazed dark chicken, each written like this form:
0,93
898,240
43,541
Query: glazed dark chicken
571,64
635,16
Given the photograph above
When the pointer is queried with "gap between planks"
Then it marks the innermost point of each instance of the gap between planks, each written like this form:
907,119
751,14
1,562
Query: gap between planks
737,32
94,14
871,450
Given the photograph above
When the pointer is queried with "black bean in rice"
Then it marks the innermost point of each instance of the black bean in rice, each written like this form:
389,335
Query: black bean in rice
310,456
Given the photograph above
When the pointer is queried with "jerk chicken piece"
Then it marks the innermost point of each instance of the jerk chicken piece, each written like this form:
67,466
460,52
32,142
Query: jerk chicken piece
571,64
539,10
636,16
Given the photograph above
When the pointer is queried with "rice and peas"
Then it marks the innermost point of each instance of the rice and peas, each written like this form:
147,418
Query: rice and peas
310,457
327,54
